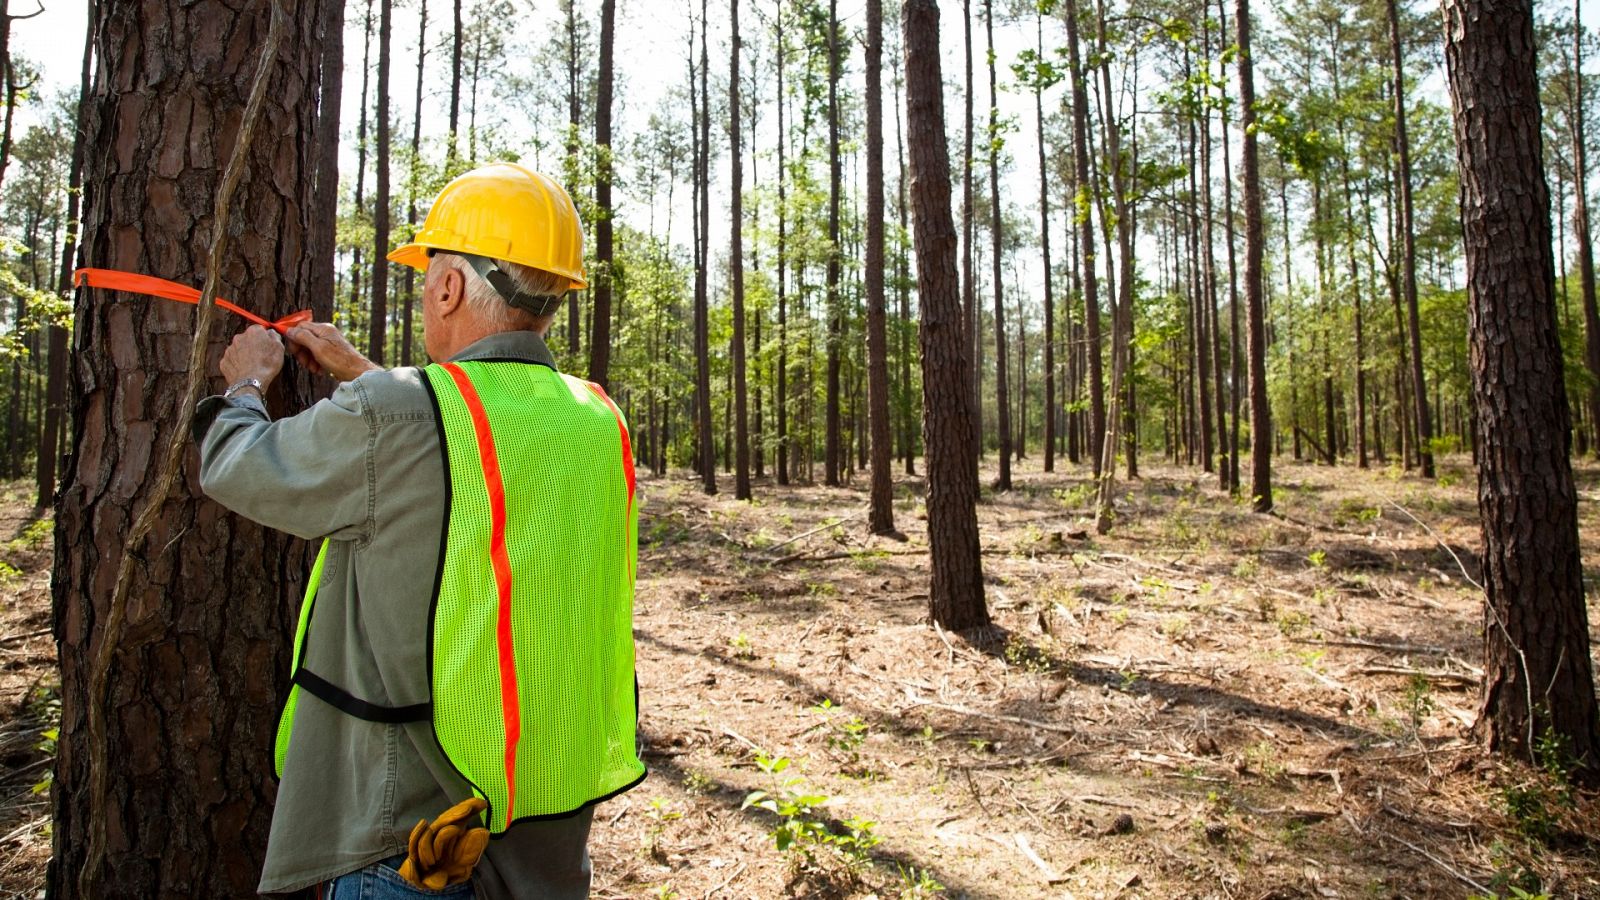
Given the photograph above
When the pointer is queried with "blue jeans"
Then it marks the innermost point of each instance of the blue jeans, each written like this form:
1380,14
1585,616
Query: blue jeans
382,881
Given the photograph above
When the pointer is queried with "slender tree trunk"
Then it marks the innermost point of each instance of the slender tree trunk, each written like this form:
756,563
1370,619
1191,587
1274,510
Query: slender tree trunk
1122,312
1049,275
1086,241
1538,673
1254,283
1585,235
903,278
702,341
955,595
453,139
833,460
1235,354
782,400
413,179
600,297
1408,256
1001,385
56,381
380,212
1203,300
741,400
969,276
356,267
880,517
199,675
575,121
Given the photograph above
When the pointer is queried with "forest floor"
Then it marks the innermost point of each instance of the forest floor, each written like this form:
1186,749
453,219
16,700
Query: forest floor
1206,703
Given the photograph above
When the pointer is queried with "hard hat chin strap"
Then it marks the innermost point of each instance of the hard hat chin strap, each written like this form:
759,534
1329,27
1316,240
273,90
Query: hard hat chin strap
537,304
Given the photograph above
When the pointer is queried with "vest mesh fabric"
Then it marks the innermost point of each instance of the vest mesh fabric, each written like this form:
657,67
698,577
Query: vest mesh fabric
286,721
570,531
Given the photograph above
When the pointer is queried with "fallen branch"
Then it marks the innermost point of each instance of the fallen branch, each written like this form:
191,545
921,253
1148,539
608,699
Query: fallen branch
1446,867
823,527
1374,645
13,638
1456,677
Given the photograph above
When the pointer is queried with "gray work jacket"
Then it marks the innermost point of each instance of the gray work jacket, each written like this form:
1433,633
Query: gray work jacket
363,468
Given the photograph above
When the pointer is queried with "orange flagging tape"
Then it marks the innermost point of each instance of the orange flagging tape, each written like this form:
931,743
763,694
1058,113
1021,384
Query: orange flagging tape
113,280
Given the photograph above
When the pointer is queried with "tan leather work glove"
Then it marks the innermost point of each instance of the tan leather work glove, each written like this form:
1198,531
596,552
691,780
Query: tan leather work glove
443,853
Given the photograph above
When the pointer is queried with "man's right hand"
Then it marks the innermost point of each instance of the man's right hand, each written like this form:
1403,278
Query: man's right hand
323,350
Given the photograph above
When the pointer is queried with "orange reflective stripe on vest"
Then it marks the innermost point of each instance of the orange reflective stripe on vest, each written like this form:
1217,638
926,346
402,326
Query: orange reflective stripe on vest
510,708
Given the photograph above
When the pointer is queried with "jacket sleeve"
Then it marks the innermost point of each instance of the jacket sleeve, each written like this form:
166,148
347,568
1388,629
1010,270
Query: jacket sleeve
306,475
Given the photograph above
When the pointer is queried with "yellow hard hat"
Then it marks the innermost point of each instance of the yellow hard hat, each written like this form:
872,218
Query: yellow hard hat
506,212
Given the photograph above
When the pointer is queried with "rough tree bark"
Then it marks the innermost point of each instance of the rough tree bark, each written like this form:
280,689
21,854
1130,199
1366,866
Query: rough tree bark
1538,673
955,596
200,675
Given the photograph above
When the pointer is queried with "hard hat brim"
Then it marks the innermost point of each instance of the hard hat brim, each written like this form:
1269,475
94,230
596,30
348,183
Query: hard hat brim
413,255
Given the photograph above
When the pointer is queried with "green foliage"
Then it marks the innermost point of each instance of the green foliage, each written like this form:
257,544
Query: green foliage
803,827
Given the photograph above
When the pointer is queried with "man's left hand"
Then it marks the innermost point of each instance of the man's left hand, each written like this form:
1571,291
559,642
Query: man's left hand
257,353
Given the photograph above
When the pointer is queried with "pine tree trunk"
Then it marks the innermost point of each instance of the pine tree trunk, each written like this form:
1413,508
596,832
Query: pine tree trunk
969,275
1538,673
1235,356
50,441
412,183
1001,380
1408,249
575,121
781,401
1580,221
1049,276
903,277
201,671
880,517
702,341
1086,242
833,459
600,296
741,402
380,213
1254,282
955,595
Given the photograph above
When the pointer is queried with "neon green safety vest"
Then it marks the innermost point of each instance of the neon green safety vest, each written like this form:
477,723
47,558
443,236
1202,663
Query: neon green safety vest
530,641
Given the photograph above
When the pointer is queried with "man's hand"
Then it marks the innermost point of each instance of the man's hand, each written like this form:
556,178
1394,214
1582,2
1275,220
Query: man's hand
323,350
257,353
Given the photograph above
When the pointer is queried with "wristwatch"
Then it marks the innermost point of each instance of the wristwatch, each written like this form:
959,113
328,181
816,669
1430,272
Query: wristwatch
240,385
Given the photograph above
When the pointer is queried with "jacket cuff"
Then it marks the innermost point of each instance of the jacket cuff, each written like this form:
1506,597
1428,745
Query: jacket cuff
210,407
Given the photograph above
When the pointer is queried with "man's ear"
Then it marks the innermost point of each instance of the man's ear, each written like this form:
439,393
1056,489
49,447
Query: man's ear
452,290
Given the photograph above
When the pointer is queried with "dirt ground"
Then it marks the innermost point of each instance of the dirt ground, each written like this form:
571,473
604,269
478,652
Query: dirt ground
1207,703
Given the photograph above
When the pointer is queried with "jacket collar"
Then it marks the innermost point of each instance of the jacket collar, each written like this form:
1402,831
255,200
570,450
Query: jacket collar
522,346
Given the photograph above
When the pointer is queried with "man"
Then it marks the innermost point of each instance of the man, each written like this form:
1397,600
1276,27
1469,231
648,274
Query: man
468,632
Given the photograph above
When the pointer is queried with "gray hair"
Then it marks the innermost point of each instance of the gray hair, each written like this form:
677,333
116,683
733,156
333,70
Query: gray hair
493,308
